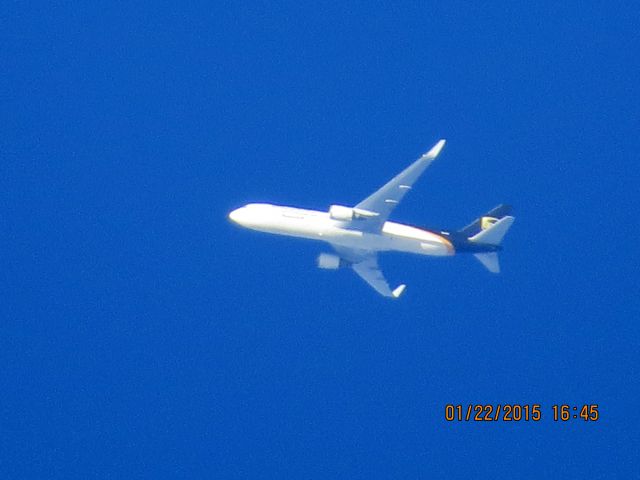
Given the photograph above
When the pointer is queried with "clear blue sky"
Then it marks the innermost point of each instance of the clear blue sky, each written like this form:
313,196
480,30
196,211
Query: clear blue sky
143,336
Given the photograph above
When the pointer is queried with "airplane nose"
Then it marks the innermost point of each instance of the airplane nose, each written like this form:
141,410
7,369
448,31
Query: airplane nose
234,215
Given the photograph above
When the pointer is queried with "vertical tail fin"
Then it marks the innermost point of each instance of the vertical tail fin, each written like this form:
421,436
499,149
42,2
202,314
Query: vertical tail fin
485,221
490,229
494,233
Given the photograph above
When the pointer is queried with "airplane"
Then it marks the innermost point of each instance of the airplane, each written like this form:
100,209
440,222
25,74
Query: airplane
358,233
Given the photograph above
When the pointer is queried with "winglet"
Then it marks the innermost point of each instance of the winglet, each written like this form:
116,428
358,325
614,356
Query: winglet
435,150
398,291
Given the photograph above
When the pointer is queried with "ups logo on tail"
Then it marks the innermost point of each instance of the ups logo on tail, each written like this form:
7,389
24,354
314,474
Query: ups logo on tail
486,222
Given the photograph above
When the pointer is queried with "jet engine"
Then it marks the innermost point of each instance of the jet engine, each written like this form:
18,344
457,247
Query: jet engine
328,261
343,214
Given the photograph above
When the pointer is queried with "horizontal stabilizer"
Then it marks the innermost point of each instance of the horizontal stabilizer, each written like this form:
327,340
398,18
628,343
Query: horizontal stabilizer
494,233
489,260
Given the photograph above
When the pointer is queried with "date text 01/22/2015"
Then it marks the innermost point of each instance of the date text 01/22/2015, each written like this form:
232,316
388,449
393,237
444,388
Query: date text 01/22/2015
519,412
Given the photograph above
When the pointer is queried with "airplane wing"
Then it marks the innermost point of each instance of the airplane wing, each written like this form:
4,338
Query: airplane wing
380,204
370,272
365,264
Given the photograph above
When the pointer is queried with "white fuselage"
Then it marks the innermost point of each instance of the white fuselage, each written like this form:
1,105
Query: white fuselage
316,225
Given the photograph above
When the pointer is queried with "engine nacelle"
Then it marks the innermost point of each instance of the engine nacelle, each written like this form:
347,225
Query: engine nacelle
328,261
343,214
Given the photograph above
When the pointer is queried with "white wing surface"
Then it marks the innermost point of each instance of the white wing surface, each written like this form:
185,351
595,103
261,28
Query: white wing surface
365,264
370,273
384,200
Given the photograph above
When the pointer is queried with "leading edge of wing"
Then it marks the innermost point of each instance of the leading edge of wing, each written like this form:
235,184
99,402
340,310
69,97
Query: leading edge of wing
385,199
